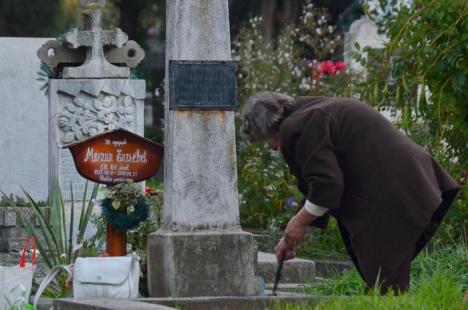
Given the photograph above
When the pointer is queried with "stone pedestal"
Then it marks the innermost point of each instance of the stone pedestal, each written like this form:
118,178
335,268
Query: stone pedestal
200,250
201,264
82,108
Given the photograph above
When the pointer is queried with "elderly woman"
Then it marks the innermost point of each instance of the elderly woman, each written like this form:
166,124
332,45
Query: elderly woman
387,194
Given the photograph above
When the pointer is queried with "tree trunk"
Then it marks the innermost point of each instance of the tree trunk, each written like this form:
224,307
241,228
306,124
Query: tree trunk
129,15
267,11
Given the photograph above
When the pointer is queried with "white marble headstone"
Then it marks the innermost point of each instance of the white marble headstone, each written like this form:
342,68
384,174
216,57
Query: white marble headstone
363,31
23,119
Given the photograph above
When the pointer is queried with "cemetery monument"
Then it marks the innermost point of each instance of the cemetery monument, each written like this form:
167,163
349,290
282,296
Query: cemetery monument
200,249
91,98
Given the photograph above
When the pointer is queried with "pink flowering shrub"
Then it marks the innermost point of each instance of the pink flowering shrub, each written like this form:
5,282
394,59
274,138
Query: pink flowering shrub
327,67
300,61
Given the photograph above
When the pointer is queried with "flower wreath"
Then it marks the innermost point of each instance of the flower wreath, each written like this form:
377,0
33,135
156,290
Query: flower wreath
124,220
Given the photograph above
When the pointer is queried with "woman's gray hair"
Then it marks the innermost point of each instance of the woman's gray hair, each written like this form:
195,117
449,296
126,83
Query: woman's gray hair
263,114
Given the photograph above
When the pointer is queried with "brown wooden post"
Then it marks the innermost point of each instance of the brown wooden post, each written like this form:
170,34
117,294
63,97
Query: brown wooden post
116,242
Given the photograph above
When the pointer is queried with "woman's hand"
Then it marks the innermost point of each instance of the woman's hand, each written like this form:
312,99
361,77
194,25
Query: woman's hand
283,251
293,235
295,232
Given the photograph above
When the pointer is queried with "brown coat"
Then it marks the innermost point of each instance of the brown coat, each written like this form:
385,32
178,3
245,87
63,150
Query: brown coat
383,189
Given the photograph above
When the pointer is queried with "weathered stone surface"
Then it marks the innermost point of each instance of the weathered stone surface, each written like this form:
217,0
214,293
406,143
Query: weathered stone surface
53,54
105,304
200,167
94,39
288,287
131,54
12,233
200,264
364,32
296,270
191,303
85,107
200,249
239,303
7,217
23,119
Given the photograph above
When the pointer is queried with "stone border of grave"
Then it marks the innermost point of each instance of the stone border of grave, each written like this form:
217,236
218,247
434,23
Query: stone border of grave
12,232
324,268
189,303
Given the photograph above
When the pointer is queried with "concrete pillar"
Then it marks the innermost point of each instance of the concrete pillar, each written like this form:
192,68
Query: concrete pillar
200,249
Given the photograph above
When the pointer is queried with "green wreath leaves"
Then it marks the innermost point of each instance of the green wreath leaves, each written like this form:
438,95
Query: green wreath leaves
124,220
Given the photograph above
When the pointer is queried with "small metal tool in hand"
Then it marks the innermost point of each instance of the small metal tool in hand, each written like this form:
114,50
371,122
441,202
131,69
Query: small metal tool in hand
279,269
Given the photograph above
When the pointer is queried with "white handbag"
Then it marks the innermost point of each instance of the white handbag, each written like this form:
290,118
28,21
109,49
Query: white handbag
16,281
99,277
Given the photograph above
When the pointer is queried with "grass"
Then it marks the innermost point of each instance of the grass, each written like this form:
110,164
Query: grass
439,280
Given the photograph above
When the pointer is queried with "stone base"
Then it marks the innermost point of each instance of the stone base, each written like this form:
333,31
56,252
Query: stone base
301,301
296,270
187,264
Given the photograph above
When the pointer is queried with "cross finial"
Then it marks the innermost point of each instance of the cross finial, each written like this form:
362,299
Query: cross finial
118,50
94,38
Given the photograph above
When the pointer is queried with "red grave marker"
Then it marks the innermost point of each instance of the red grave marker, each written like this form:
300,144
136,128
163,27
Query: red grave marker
116,156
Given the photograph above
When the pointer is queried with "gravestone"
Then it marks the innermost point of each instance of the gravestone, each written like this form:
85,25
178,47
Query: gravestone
23,119
200,249
365,32
93,97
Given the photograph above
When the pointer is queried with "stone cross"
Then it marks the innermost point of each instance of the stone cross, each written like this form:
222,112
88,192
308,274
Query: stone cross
86,47
94,38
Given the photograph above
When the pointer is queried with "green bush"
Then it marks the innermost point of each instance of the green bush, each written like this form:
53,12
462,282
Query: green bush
421,78
267,191
138,237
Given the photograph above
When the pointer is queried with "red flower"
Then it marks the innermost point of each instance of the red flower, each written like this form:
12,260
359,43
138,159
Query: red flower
327,67
149,191
339,65
316,72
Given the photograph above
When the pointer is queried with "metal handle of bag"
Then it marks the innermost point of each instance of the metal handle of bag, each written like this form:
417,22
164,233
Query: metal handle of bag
22,262
48,278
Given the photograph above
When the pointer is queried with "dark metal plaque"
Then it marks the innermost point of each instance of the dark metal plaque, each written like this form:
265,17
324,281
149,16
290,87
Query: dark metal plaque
202,85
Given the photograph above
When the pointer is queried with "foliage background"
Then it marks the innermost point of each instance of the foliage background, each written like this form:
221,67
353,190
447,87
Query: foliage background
419,77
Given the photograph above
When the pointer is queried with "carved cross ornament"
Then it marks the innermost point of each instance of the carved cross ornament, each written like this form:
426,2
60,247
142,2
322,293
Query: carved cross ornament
87,48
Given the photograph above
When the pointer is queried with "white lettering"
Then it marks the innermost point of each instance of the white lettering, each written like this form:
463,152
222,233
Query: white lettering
119,143
136,157
98,156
